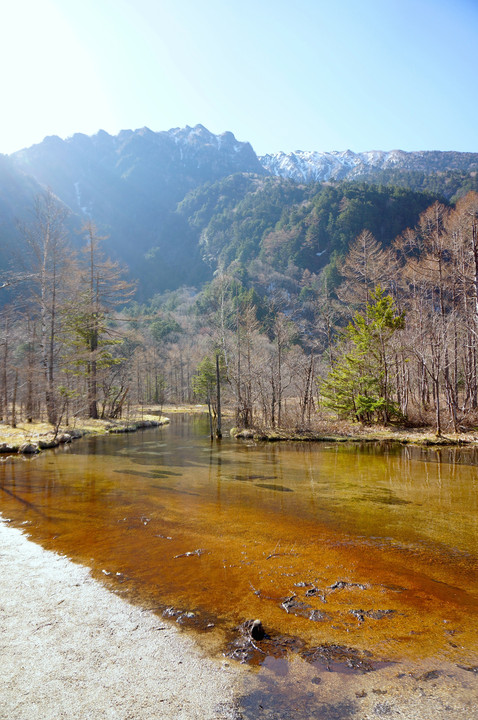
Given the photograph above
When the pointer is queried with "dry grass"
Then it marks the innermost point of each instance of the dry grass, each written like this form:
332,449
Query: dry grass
324,425
34,432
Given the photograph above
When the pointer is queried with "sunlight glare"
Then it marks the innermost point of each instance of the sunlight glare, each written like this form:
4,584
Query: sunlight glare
50,79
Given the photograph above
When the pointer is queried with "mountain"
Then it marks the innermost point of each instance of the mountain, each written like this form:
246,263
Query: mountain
81,168
403,168
176,204
91,173
131,182
17,196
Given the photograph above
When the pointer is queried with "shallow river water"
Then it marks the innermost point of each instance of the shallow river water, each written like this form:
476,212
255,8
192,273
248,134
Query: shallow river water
356,557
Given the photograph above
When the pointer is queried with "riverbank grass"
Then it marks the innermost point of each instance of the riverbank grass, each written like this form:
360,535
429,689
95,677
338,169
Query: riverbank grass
33,437
357,433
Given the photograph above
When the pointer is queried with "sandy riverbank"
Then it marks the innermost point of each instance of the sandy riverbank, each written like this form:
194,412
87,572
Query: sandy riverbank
71,649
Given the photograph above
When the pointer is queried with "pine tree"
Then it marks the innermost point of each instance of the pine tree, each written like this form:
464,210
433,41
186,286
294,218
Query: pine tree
210,373
358,385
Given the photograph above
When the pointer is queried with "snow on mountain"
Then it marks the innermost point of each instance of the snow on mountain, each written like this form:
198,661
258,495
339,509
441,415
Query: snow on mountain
313,166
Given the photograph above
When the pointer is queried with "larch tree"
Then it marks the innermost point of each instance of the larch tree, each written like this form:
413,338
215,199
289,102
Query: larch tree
462,229
102,287
48,258
365,266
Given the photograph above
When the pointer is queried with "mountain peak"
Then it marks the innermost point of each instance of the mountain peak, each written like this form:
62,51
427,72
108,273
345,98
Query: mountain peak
314,166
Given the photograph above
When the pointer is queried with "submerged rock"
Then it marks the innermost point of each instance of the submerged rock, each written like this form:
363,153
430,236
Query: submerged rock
316,593
342,584
318,616
296,607
471,668
245,648
429,675
198,552
373,614
339,658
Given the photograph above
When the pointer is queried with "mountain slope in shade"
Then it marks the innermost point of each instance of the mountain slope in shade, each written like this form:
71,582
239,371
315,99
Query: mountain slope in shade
130,184
174,203
17,197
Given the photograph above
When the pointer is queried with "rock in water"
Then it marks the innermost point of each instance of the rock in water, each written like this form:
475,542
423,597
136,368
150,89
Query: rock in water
28,448
257,631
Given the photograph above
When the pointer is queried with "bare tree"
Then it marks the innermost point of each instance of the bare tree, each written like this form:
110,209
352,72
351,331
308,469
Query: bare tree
365,266
46,239
102,287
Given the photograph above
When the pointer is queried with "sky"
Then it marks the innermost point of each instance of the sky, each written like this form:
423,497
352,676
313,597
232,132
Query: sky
282,74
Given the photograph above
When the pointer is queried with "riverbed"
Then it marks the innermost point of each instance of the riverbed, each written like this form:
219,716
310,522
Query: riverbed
360,561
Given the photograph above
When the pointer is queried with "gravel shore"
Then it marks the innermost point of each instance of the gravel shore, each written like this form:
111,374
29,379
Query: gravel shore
71,649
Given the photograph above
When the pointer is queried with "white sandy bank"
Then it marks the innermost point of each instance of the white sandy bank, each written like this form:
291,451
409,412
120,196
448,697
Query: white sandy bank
71,650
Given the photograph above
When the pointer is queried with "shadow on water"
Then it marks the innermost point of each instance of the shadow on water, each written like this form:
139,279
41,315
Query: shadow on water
26,503
157,474
275,487
271,702
384,496
174,490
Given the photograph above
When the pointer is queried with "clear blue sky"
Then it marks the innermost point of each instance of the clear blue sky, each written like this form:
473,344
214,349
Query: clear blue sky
282,74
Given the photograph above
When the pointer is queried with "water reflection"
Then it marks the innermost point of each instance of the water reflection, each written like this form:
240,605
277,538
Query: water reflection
370,546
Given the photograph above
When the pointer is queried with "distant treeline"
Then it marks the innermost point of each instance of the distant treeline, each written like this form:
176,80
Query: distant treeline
349,299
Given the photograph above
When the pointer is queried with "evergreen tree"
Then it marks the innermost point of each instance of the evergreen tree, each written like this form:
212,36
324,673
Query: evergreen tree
358,385
210,373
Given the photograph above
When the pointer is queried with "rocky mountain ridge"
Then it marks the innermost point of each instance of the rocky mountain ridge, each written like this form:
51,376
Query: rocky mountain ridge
162,167
169,202
171,162
314,166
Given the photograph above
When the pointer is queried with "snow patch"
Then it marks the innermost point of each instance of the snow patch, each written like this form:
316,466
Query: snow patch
316,166
83,208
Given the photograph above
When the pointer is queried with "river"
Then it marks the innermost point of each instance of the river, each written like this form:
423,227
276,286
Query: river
353,556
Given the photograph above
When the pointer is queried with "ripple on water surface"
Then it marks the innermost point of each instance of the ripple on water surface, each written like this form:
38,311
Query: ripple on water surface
374,550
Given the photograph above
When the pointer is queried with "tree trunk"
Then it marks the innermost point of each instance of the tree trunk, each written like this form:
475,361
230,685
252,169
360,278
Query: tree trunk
92,390
211,430
14,401
218,389
4,398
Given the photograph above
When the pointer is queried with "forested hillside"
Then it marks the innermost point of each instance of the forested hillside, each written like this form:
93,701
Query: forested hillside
165,200
349,298
297,227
